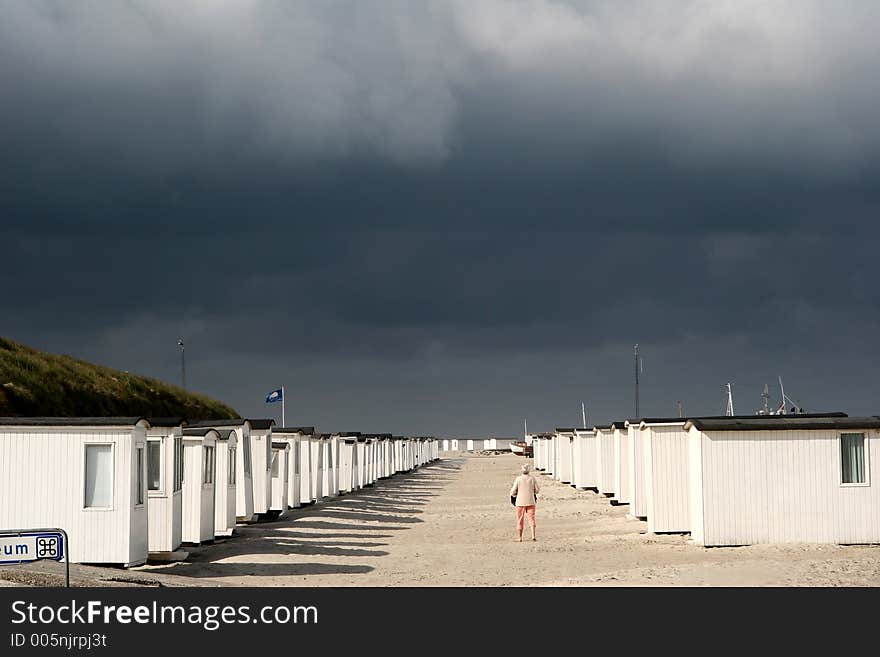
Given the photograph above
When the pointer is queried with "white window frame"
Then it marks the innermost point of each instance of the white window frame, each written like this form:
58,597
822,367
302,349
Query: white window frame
179,448
159,492
232,466
140,476
112,446
208,464
246,456
866,451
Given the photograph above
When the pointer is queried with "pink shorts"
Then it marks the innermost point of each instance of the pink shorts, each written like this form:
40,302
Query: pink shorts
521,512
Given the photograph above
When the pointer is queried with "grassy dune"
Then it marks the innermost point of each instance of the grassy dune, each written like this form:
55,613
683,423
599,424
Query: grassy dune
36,383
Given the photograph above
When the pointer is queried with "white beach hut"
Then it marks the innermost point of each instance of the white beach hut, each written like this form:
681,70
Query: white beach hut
636,467
244,489
225,482
622,488
604,443
261,455
294,437
84,475
538,452
280,471
318,466
306,469
584,455
164,483
347,460
199,470
562,440
784,479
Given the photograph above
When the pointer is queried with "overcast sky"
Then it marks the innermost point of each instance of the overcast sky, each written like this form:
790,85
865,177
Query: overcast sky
444,217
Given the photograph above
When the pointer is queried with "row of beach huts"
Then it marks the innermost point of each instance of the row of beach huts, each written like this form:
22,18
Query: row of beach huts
475,444
128,488
731,480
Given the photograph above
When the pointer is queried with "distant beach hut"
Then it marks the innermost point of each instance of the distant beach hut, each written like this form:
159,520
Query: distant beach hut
164,483
244,489
319,467
306,468
784,479
261,454
584,455
562,443
87,476
225,482
294,437
636,467
605,460
622,488
199,470
280,473
347,460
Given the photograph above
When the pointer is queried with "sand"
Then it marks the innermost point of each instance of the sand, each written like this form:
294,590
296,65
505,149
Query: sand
451,524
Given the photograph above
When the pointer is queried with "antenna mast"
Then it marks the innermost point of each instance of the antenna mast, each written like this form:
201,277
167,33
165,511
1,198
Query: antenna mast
636,364
730,399
584,414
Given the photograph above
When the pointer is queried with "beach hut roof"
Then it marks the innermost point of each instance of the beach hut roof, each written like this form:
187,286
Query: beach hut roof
73,421
223,434
784,422
280,444
228,422
262,424
308,431
672,420
167,421
200,431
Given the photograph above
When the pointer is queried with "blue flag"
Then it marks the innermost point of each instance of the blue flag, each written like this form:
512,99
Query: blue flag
274,396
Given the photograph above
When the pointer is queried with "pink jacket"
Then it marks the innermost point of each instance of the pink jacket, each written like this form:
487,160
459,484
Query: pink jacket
525,487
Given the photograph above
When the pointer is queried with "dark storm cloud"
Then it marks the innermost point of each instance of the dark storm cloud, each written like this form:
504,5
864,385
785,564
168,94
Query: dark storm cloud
440,187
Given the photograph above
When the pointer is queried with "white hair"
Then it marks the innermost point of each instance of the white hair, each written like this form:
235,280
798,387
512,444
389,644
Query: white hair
525,468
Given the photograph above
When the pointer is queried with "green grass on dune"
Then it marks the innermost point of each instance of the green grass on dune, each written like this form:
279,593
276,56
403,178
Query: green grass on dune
36,383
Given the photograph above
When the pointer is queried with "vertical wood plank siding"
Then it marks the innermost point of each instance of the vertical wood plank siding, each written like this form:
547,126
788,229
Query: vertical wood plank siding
636,464
668,498
623,491
783,487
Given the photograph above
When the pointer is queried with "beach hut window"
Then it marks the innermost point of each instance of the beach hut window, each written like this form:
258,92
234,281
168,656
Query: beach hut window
852,458
231,459
247,457
209,465
154,464
99,477
178,464
139,494
275,465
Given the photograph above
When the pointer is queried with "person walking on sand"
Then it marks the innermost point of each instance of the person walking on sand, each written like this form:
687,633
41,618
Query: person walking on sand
525,488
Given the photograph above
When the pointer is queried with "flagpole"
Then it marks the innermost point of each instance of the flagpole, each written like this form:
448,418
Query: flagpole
282,407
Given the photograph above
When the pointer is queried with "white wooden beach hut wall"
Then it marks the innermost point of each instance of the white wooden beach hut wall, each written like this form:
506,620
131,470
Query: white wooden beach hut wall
261,455
306,469
784,479
584,455
294,437
85,475
164,483
280,472
562,439
360,472
446,445
637,505
199,470
550,455
605,460
538,452
622,488
333,470
389,456
347,451
384,447
471,446
225,482
244,489
666,477
318,467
